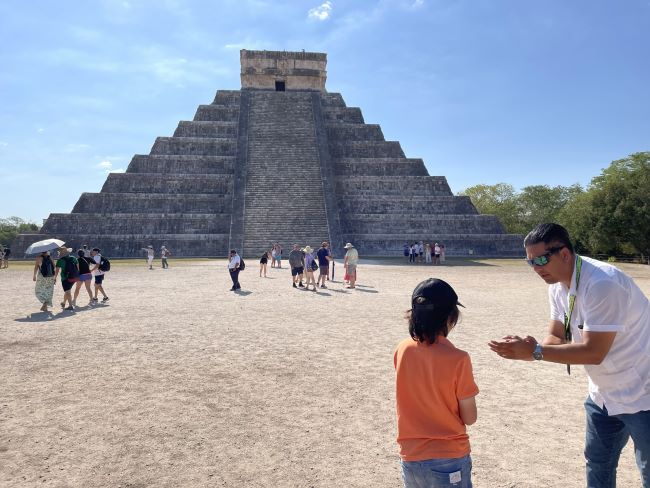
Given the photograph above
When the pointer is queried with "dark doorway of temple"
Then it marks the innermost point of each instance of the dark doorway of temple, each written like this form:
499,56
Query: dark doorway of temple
279,86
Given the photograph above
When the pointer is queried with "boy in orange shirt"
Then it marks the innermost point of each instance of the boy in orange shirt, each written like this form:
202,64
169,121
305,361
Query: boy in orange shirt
435,393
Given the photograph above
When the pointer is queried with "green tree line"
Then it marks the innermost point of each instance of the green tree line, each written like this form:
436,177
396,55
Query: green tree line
611,216
12,226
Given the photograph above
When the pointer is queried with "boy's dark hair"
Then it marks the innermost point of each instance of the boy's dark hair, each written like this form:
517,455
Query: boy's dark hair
549,233
80,253
434,310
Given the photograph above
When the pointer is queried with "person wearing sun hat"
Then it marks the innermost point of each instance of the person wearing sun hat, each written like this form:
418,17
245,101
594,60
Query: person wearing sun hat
150,255
350,263
434,392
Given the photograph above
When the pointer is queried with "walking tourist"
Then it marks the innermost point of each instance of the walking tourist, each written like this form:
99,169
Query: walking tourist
413,252
234,262
297,265
5,257
350,263
324,257
435,393
601,319
164,254
310,266
263,261
406,250
420,251
150,255
436,253
86,250
99,274
442,253
273,256
278,255
44,276
427,252
85,276
67,266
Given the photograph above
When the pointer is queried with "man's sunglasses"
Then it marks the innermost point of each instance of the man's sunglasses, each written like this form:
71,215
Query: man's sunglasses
544,258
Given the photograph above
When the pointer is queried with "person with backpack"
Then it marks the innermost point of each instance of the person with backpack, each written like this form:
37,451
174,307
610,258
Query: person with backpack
102,265
164,254
44,277
85,276
311,265
68,267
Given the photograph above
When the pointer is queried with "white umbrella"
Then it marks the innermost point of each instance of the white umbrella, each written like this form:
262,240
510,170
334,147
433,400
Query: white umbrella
46,245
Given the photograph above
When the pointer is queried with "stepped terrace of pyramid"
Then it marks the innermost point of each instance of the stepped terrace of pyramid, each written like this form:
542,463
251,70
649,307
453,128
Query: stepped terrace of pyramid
280,160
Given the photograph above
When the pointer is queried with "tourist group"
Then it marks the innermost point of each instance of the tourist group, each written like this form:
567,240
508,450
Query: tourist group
303,263
421,252
75,271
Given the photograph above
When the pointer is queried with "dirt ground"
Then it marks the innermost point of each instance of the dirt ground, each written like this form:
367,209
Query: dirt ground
178,382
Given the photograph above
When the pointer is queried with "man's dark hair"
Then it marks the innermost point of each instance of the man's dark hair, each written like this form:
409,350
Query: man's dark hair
96,249
426,325
549,233
233,251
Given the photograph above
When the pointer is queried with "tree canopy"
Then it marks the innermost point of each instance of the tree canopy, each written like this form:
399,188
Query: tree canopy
610,216
12,226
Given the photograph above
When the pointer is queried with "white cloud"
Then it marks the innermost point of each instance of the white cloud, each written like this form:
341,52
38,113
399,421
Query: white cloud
105,165
40,129
417,3
3,144
322,12
118,170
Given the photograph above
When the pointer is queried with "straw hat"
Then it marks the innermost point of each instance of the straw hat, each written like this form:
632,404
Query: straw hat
308,249
348,246
64,251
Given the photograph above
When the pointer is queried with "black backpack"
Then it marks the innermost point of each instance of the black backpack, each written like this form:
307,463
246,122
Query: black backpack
104,264
242,264
47,267
314,265
71,268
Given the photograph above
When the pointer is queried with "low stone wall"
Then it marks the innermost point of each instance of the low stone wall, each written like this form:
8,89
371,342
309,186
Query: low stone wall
217,113
202,128
157,183
181,164
152,203
195,146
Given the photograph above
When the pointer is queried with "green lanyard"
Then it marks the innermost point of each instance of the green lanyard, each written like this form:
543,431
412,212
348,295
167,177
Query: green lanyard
572,301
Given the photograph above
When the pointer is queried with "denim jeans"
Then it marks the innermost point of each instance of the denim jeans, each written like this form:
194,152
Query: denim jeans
438,473
234,276
605,438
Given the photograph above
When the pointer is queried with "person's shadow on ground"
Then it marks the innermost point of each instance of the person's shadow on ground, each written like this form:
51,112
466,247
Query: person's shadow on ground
365,291
242,292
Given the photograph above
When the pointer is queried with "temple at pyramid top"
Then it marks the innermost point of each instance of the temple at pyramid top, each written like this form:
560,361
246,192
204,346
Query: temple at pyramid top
279,160
283,70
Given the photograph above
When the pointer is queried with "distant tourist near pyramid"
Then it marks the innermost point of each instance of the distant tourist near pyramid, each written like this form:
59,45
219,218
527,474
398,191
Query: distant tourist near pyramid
279,160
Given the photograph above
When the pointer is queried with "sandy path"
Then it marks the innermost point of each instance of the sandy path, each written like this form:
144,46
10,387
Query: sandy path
179,382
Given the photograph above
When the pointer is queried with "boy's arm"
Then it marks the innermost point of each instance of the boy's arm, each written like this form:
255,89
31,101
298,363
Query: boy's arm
467,408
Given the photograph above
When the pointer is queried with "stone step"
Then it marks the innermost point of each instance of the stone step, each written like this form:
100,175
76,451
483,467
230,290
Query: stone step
379,167
348,115
181,164
456,245
202,128
156,183
331,100
223,113
130,245
341,132
227,97
195,146
141,223
361,186
366,149
188,203
392,205
396,224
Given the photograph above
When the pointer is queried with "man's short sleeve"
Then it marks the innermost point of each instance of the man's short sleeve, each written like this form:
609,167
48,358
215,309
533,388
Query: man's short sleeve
557,311
466,387
605,307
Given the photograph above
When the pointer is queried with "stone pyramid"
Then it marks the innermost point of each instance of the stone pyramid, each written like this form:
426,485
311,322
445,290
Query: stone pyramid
281,160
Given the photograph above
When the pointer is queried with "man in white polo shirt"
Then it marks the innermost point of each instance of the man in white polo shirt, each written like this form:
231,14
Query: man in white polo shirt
601,319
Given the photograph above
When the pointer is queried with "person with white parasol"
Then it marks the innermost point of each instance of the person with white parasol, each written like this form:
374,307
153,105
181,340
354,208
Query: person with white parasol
44,270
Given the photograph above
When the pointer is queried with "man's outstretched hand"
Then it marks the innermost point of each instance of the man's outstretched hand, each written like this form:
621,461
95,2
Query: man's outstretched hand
514,347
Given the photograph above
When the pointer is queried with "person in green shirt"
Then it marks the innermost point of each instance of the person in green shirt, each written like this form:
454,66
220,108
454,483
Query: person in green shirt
68,267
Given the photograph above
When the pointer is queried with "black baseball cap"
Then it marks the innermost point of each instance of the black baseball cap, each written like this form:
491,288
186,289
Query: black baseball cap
438,296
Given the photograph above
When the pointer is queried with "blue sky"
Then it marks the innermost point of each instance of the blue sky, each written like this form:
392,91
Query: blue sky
485,91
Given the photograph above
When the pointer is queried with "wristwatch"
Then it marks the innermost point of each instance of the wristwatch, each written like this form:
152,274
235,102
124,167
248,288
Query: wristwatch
537,353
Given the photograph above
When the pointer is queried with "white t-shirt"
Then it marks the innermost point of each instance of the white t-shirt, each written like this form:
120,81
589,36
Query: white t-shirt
609,301
98,259
234,261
